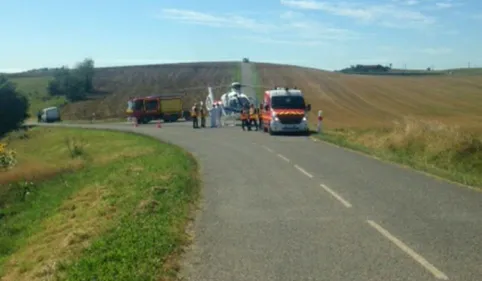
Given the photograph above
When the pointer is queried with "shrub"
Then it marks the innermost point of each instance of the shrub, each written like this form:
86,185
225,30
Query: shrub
8,157
75,146
13,107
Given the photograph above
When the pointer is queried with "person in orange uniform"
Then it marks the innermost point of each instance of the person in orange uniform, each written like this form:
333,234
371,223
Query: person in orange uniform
244,119
203,117
253,117
194,114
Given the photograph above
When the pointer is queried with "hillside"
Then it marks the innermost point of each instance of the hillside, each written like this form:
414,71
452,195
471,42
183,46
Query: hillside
115,85
361,101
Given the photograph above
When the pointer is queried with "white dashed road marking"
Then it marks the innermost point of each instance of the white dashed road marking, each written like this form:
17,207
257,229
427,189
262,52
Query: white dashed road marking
268,149
303,171
284,158
334,194
437,273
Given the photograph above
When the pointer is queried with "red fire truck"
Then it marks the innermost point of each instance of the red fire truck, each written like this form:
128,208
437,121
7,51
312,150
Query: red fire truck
166,107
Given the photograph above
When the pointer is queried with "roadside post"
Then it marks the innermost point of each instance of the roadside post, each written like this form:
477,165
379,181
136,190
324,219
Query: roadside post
319,127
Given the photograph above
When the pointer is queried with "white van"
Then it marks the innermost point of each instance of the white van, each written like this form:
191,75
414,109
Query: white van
50,114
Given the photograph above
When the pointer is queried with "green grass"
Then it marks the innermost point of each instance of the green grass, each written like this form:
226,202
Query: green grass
456,156
35,89
119,214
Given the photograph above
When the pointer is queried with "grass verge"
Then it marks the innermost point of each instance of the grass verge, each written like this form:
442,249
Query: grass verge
120,216
432,147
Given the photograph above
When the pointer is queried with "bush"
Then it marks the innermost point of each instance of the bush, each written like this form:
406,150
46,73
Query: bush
76,146
8,157
13,107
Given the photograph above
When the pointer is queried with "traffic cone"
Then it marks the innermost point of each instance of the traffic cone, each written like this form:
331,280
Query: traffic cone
159,124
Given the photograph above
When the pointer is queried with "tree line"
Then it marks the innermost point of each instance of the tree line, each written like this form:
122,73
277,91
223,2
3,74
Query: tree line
74,84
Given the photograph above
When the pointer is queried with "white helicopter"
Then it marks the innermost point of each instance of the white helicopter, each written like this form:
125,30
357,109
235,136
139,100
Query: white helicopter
232,102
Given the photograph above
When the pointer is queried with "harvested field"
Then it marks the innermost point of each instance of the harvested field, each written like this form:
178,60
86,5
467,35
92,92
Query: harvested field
367,102
116,84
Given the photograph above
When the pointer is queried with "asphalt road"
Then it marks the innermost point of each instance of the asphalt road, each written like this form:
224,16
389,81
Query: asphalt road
287,208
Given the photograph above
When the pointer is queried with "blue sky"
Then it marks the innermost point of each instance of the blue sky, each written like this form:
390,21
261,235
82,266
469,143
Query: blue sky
323,34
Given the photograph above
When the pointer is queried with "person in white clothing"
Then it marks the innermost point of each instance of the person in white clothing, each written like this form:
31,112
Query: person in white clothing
220,114
213,114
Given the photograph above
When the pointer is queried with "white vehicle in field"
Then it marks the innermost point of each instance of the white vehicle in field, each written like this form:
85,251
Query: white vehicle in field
50,114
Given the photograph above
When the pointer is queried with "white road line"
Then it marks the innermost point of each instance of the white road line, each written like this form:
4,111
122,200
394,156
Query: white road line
284,158
267,148
334,194
303,171
437,273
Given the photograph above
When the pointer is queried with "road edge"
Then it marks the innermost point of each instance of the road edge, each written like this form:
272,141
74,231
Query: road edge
394,163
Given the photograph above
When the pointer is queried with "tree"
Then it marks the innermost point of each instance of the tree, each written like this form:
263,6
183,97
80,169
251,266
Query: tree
85,70
75,83
13,107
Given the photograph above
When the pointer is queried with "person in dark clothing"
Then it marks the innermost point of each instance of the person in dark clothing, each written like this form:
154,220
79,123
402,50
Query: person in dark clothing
244,119
203,117
39,116
260,116
194,115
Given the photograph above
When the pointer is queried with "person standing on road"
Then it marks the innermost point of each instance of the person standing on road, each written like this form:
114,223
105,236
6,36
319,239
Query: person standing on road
219,114
194,115
253,118
260,116
244,119
213,116
39,116
203,117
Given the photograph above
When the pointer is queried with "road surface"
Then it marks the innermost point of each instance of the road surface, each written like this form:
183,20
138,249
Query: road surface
287,208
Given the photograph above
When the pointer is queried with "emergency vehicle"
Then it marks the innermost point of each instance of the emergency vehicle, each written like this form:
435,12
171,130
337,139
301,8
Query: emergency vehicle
166,107
285,111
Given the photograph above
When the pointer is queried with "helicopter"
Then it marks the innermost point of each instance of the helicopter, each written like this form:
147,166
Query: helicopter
231,102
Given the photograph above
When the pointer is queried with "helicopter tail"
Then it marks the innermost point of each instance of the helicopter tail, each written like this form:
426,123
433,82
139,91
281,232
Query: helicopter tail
209,99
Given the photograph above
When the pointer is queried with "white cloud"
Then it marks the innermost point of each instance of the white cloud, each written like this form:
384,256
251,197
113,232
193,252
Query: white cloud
444,5
290,24
436,51
233,21
411,2
389,15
